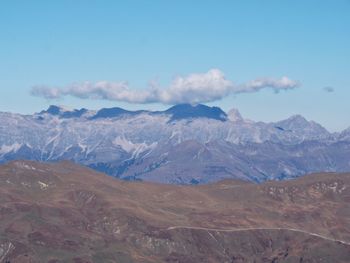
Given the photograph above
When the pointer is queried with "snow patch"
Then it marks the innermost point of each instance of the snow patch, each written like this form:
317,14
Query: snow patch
42,185
134,148
10,148
125,144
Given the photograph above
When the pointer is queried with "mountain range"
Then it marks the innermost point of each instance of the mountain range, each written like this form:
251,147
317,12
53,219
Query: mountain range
185,144
63,212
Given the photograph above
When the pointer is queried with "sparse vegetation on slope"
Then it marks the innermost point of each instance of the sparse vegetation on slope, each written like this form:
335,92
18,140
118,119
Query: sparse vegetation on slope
66,213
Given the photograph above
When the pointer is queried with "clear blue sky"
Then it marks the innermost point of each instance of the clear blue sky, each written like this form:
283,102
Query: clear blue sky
60,42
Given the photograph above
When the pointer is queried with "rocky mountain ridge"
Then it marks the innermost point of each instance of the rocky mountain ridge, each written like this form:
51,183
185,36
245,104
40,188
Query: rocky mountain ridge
185,144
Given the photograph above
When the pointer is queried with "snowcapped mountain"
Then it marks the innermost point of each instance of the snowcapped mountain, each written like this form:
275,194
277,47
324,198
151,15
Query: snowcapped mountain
184,144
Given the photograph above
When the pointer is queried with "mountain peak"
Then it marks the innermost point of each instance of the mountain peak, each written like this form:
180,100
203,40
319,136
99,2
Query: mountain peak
187,111
297,117
115,112
234,115
64,112
295,121
55,110
299,123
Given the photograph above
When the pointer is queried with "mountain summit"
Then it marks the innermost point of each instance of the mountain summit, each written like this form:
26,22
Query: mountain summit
234,115
63,112
185,111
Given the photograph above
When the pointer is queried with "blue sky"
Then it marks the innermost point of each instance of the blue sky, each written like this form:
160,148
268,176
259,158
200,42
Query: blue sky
56,43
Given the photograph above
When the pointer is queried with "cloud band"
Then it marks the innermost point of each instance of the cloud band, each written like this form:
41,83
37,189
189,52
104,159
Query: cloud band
194,88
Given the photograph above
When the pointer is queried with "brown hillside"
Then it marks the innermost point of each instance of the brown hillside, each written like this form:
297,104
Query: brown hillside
67,213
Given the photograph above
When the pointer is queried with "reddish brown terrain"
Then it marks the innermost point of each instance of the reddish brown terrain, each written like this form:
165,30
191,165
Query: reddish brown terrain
66,213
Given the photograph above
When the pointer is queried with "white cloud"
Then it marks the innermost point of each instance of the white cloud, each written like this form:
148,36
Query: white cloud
46,92
197,88
194,88
277,85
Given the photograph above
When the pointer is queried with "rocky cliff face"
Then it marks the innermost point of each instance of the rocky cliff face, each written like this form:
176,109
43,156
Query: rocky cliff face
184,144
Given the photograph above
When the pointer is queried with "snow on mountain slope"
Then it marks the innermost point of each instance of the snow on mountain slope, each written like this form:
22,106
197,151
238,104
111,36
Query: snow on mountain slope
184,144
345,135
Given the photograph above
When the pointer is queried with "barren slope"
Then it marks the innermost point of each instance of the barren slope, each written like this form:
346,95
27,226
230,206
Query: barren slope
66,213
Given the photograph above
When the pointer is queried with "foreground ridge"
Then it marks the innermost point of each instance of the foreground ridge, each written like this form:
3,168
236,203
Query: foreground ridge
63,212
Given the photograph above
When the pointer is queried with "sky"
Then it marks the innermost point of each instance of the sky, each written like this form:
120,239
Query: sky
268,58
